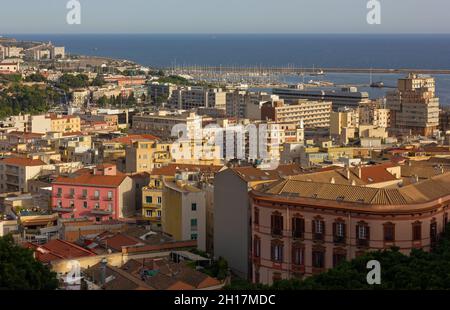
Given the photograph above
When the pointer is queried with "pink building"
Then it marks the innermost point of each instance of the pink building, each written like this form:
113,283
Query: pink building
99,194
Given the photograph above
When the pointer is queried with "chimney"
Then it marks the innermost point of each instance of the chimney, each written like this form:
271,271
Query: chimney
103,264
360,172
347,172
332,181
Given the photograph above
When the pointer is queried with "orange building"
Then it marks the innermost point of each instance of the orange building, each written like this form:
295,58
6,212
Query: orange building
301,228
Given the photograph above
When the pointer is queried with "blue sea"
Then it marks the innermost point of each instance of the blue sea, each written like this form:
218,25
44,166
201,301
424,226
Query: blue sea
300,50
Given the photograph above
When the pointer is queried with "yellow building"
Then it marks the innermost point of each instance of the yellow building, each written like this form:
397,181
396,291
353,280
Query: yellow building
62,123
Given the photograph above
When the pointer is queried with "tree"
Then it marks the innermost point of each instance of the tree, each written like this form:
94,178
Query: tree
99,81
20,271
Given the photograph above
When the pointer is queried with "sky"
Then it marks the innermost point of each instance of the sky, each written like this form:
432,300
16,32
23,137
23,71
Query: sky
224,16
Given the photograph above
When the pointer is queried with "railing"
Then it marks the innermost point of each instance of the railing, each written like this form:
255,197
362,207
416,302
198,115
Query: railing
101,212
63,209
95,197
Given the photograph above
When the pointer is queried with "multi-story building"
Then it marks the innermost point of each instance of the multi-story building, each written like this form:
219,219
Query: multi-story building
313,113
185,98
9,67
145,155
414,106
231,212
244,104
303,228
343,118
152,195
159,93
15,173
63,123
347,97
184,208
100,194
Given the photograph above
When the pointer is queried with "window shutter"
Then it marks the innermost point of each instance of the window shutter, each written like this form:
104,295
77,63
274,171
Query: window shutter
323,228
357,232
334,229
344,230
314,226
368,233
302,226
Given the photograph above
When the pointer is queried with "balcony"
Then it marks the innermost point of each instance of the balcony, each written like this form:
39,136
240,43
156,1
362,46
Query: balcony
339,239
63,209
277,232
95,197
107,198
83,197
362,242
101,212
318,237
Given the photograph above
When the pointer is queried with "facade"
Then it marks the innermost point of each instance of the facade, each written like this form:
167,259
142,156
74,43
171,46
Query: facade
313,113
302,228
414,106
9,67
347,97
60,123
100,194
15,173
185,98
184,209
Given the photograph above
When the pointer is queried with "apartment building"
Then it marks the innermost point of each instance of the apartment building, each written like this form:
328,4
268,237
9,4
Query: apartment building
64,123
244,104
347,97
9,67
160,92
99,194
231,212
145,155
302,228
185,98
314,114
414,106
184,208
15,173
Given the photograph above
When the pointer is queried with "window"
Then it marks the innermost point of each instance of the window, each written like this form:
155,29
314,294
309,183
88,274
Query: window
110,207
362,234
417,231
318,259
298,228
59,204
72,204
256,247
256,216
84,193
338,257
277,224
193,236
194,207
276,277
389,232
110,195
193,224
96,194
97,206
159,213
339,231
159,200
149,213
59,192
318,228
85,204
72,192
298,255
433,232
148,199
277,251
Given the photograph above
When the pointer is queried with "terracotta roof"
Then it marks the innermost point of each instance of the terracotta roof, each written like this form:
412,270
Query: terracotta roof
128,140
369,175
429,190
58,249
251,174
171,169
116,241
85,177
19,161
26,134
